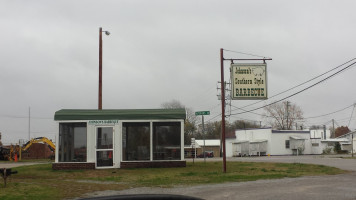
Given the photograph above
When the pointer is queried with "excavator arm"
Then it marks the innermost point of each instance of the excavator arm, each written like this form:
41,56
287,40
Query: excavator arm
38,140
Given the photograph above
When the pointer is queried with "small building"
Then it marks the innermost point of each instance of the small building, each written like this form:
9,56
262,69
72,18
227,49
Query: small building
265,141
349,141
127,138
212,145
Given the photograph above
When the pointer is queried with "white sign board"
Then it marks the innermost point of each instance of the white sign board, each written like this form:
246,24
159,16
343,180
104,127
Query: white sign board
249,81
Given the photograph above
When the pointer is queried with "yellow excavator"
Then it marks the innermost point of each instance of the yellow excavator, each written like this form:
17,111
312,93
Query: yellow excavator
16,149
38,140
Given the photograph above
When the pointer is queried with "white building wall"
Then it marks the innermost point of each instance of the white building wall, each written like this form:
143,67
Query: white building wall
279,147
320,134
317,149
254,134
228,143
275,141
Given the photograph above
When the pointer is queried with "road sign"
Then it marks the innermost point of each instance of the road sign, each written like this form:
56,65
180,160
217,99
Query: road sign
202,113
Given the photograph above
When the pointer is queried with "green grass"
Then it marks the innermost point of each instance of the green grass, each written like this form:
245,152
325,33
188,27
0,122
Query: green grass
41,182
350,157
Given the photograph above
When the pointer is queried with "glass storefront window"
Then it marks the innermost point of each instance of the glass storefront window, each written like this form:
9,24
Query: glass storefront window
72,145
104,158
104,146
135,141
166,141
104,138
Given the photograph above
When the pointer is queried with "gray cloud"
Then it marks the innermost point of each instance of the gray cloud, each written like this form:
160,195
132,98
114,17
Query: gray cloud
161,50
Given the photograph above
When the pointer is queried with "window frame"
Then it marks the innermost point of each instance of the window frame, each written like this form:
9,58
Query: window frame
287,144
122,140
57,160
180,121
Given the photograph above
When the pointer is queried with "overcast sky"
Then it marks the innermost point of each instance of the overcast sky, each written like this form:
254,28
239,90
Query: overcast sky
164,50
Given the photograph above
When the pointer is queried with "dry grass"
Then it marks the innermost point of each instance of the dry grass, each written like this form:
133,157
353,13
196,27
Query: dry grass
41,182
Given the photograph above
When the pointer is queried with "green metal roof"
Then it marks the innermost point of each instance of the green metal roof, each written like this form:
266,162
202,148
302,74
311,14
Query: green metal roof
119,114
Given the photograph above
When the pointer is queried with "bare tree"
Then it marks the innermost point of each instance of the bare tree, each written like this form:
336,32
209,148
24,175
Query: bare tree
173,104
283,115
190,122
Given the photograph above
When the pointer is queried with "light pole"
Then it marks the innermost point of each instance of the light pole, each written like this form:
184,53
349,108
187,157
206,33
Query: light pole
100,106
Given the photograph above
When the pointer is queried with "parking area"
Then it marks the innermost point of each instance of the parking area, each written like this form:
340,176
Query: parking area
311,187
339,161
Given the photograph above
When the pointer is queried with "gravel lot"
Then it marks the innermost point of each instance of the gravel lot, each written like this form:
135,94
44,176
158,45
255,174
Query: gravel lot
312,187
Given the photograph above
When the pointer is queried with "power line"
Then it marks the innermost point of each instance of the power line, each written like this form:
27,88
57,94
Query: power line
300,90
330,113
249,54
302,83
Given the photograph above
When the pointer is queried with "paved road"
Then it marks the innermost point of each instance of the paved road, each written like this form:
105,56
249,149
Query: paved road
332,161
313,187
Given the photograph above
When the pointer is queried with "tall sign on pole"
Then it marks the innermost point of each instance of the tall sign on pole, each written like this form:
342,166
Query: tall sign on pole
249,83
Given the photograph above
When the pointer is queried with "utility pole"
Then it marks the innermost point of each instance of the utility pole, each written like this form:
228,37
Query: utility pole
352,142
223,108
287,115
100,104
333,133
324,127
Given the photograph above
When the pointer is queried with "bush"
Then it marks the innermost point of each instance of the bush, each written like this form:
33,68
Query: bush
337,147
327,151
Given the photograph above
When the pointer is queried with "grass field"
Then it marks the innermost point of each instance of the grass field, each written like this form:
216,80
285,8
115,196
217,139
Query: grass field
41,182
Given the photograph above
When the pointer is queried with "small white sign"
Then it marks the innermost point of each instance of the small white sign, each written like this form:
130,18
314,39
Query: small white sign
103,122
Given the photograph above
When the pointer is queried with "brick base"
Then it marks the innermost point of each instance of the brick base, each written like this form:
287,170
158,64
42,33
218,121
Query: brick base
70,166
150,164
153,164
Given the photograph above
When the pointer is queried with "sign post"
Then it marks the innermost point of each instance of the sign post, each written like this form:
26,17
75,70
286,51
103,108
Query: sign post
202,113
192,141
243,89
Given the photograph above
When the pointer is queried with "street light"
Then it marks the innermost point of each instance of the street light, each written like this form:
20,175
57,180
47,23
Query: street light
101,65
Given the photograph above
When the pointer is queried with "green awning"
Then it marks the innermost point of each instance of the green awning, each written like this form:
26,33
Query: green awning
119,114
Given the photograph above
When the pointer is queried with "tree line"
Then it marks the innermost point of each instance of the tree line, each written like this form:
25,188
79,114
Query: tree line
281,116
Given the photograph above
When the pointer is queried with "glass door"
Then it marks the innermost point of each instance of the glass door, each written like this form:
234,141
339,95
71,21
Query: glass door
104,146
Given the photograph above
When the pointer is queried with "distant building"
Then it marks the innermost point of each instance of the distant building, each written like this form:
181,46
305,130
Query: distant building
265,141
350,145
